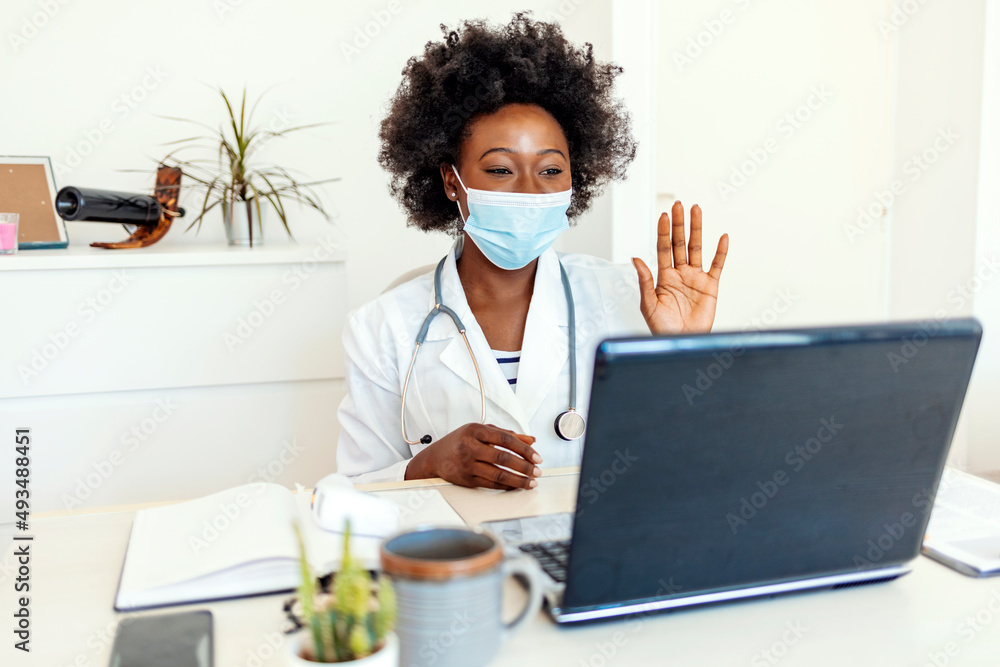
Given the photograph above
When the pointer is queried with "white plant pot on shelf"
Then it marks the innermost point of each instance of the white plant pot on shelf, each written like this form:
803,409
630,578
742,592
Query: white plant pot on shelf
234,217
387,656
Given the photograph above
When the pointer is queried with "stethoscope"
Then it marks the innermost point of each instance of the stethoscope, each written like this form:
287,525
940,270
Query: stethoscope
569,424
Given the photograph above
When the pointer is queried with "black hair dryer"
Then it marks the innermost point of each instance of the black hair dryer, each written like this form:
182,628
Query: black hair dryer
90,205
146,217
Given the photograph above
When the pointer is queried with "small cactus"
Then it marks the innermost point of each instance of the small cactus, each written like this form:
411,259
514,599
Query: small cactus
352,622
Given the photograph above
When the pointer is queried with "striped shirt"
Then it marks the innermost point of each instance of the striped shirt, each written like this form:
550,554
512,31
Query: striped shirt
509,362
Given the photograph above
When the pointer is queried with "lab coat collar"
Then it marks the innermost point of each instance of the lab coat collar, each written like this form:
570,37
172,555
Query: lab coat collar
544,349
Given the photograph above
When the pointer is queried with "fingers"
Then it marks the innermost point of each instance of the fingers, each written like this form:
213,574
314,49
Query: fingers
694,245
493,477
663,248
647,289
501,449
501,457
720,257
484,455
526,438
677,235
670,245
517,443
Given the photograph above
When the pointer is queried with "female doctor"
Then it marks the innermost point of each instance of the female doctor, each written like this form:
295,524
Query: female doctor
499,136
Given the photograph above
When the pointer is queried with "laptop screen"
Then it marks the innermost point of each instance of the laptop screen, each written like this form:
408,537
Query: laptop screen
726,461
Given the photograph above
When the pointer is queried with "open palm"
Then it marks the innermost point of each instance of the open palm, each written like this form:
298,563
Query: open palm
684,297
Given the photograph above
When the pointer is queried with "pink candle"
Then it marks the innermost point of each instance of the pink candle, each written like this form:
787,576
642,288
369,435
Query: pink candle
8,237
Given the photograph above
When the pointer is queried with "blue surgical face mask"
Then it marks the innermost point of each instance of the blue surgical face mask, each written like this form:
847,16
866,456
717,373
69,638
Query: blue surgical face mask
514,228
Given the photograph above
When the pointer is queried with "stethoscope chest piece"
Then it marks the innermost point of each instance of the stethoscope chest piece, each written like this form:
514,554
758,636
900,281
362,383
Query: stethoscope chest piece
570,425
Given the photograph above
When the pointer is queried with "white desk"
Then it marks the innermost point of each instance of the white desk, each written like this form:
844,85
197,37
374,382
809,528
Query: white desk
77,560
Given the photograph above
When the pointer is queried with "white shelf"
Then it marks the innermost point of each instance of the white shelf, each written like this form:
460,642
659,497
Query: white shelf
159,255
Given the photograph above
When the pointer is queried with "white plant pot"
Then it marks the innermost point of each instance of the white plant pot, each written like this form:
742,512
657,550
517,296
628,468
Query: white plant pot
387,656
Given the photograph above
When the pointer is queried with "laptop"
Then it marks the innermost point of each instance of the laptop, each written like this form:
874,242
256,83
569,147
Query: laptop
726,466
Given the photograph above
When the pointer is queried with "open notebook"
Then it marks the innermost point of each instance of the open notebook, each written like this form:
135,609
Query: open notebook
964,529
240,542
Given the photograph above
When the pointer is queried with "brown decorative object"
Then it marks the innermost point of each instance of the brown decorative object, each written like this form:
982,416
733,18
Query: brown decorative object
168,188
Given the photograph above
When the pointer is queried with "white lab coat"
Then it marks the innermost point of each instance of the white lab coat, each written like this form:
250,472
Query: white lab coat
444,393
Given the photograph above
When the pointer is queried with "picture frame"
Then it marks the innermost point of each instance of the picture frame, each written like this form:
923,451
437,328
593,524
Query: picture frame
28,188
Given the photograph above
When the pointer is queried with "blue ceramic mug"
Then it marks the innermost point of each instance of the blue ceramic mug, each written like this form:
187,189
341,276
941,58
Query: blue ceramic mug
449,584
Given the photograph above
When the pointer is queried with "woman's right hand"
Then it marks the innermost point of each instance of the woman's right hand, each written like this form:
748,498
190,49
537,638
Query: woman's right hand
471,455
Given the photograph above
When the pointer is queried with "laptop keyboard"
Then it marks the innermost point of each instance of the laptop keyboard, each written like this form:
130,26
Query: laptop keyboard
552,556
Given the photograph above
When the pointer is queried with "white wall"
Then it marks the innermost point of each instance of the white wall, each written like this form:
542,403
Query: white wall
984,418
897,81
72,74
723,109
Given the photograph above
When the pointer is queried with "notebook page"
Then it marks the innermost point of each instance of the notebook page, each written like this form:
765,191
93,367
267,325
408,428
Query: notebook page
188,540
267,576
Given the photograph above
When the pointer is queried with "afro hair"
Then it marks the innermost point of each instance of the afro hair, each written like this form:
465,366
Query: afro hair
478,69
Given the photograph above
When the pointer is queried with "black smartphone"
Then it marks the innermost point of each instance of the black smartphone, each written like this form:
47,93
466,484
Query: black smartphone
164,640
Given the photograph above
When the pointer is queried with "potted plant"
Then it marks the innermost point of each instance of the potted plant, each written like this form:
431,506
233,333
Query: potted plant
352,624
232,179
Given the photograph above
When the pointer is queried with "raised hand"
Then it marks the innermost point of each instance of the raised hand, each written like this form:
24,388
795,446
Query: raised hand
684,297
